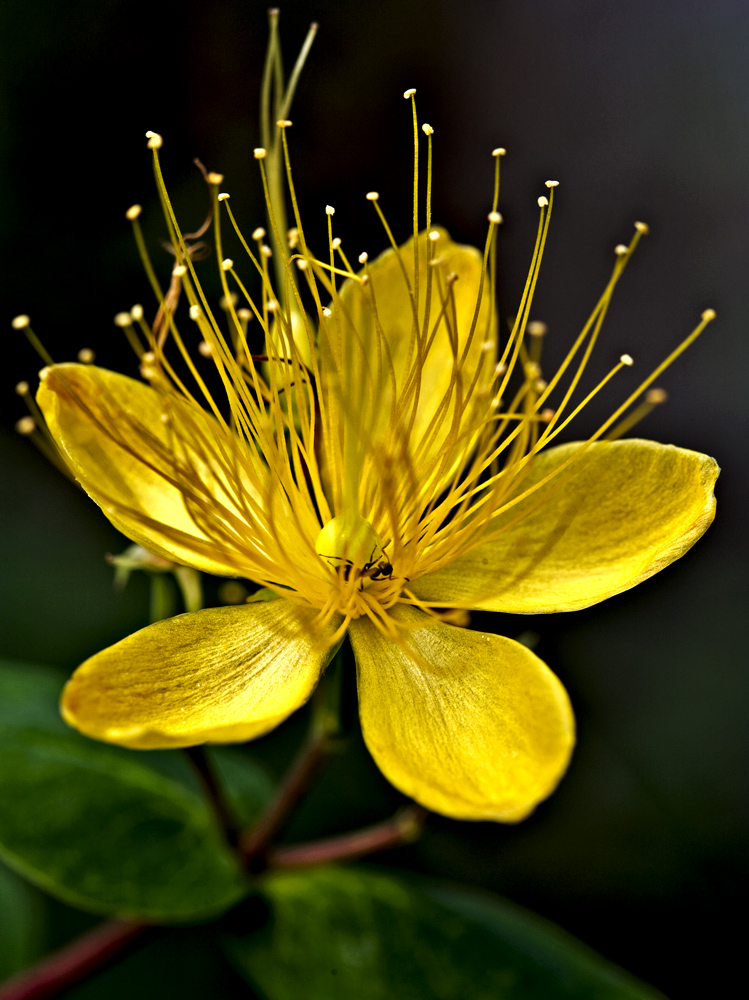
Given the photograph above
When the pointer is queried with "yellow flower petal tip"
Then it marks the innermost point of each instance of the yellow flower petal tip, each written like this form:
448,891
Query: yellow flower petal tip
470,725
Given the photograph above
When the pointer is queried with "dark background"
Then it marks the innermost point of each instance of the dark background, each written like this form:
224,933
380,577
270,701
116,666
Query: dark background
641,111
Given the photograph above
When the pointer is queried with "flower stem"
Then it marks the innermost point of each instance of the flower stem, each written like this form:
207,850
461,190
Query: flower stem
213,792
400,829
75,961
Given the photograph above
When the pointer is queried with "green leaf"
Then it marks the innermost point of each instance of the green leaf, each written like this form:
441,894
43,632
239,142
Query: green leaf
110,830
20,923
338,933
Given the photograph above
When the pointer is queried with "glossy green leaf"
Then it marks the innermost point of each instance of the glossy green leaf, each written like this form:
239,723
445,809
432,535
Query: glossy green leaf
107,829
338,933
20,923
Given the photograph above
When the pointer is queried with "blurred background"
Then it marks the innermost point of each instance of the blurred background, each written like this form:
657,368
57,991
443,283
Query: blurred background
641,111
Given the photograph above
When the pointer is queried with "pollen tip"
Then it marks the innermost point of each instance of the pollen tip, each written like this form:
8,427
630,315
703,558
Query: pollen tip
620,249
363,257
499,151
336,243
627,359
642,227
329,210
133,212
205,349
155,141
20,322
86,356
500,368
244,314
26,426
409,93
178,270
259,153
373,195
44,373
495,218
195,312
708,315
272,306
434,235
427,129
213,178
226,302
551,184
266,251
326,312
223,196
543,201
227,265
258,234
123,319
536,328
292,238
283,123
137,312
656,396
22,388
302,264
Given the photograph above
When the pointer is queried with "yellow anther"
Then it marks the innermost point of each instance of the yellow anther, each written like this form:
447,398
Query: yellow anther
227,265
427,129
326,312
620,249
223,196
551,184
195,313
205,349
329,210
86,356
500,368
302,264
543,201
178,270
137,313
123,319
626,359
20,322
26,425
283,123
434,235
259,153
656,396
133,212
22,388
272,306
292,238
499,151
708,315
495,218
642,227
373,195
258,234
213,178
266,251
536,328
336,242
226,302
155,141
409,93
245,314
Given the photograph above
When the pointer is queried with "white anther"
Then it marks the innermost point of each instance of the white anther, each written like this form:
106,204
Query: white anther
434,235
329,210
427,129
86,355
283,123
547,415
543,201
363,257
165,418
642,227
213,178
259,153
43,373
365,280
326,312
536,328
540,384
227,302
452,278
205,349
178,270
123,319
708,315
272,306
266,251
292,237
244,314
155,141
20,322
373,195
227,265
620,249
500,368
336,242
499,151
495,403
302,264
149,357
195,313
136,313
487,345
258,234
495,218
409,93
22,388
223,196
551,184
26,425
133,212
656,396
626,359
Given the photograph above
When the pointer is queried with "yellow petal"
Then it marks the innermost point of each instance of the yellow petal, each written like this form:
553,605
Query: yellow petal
222,675
623,512
473,726
375,377
152,477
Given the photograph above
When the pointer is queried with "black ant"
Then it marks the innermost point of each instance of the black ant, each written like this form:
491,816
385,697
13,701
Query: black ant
375,569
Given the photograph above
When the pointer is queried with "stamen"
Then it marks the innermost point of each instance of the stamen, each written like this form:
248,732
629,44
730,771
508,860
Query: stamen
86,356
155,141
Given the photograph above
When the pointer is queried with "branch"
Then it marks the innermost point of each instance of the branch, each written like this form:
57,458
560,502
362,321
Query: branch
403,828
214,793
74,962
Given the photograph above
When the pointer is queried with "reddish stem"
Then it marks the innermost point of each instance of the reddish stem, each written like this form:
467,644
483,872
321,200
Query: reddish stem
399,829
74,961
254,842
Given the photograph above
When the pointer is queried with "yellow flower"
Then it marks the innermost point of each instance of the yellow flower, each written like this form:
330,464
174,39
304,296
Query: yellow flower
394,459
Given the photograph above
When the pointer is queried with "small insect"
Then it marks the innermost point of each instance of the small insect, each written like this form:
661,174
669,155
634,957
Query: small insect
374,569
